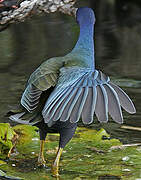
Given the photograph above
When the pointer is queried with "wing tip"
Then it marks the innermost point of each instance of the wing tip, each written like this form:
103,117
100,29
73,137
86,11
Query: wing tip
87,120
126,103
16,118
133,112
133,109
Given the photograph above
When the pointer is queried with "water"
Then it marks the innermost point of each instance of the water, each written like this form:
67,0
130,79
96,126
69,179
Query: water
24,46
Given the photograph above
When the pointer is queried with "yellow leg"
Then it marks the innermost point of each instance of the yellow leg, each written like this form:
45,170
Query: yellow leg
9,153
41,160
55,166
15,139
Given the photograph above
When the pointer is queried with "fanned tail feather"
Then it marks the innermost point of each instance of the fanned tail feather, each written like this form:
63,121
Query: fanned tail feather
69,107
58,101
101,109
57,110
77,110
114,104
91,93
56,96
124,99
89,106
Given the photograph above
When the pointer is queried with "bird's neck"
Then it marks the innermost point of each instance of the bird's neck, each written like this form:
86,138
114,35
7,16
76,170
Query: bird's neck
85,44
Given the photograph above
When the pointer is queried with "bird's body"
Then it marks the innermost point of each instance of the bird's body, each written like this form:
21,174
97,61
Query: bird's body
64,89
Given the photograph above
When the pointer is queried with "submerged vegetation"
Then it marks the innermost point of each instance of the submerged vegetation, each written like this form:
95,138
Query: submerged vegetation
89,155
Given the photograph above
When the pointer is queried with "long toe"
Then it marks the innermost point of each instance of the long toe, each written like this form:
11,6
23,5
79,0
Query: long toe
54,170
41,162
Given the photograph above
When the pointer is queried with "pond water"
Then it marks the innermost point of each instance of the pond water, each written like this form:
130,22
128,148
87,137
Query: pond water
24,46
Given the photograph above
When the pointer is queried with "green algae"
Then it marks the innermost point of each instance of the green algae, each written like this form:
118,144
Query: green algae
2,162
87,156
4,175
25,133
95,138
6,137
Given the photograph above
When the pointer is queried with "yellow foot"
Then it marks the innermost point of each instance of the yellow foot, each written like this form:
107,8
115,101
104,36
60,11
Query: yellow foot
54,171
10,151
41,161
9,154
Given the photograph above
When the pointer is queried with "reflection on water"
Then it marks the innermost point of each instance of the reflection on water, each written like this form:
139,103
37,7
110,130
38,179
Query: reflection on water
117,43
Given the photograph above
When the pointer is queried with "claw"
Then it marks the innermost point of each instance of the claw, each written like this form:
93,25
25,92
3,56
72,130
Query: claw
41,160
55,166
9,153
54,170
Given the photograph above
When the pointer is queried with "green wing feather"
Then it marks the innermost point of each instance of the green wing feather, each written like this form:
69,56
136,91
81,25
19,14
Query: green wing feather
44,77
39,87
46,74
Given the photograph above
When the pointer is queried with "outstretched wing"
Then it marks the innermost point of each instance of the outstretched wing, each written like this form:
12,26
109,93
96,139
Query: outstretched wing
87,93
44,77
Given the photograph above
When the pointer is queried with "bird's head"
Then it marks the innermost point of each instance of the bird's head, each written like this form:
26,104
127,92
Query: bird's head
85,15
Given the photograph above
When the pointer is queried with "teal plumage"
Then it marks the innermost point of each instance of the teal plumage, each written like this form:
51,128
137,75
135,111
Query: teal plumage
79,89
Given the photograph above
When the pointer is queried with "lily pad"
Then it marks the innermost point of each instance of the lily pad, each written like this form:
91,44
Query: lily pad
2,162
4,175
100,139
27,134
7,135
